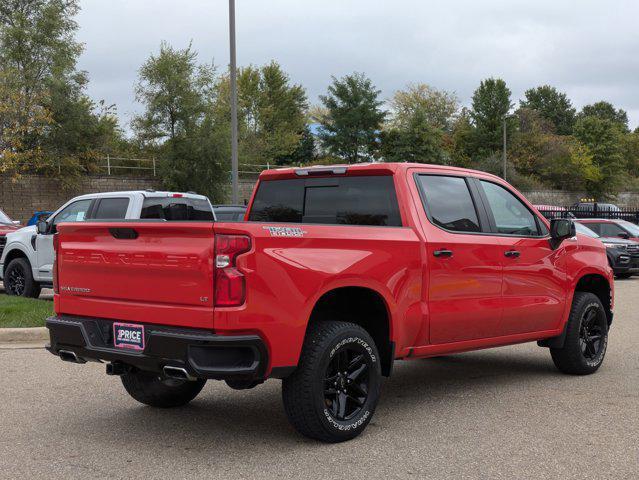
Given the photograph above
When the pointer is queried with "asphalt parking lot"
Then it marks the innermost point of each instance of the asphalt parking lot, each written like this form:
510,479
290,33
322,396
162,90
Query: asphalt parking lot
501,413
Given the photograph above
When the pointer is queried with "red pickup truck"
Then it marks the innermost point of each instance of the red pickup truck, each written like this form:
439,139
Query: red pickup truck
336,273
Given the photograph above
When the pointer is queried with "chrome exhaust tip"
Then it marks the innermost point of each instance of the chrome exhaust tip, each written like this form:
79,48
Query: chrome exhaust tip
69,356
178,373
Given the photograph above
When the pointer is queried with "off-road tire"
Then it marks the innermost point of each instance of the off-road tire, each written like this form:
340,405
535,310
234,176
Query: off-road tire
158,391
571,358
28,287
305,391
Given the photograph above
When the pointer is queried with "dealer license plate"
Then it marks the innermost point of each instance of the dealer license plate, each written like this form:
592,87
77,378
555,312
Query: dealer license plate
127,335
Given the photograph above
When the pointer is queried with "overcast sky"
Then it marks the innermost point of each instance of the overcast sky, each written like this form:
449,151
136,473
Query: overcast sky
587,48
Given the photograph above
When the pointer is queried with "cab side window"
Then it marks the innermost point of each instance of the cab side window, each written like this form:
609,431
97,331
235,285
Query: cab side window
75,212
610,230
448,203
111,209
511,216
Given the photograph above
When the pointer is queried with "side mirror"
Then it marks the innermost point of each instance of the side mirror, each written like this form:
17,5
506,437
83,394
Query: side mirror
561,229
43,227
624,235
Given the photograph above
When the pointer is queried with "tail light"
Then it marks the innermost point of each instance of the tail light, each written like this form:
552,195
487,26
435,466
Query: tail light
230,284
56,242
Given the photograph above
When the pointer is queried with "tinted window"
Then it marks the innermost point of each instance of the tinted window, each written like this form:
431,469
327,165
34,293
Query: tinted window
347,200
448,203
177,208
610,230
75,212
111,209
512,217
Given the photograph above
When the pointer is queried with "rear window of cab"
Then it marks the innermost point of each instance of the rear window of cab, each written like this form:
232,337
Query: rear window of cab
356,200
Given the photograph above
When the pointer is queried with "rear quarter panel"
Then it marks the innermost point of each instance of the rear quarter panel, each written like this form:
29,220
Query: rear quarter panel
286,276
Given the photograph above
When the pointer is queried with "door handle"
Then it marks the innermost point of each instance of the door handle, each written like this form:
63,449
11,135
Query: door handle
443,253
512,253
123,233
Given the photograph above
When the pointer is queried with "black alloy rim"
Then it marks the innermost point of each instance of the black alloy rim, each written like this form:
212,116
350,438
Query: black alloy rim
346,383
15,281
591,333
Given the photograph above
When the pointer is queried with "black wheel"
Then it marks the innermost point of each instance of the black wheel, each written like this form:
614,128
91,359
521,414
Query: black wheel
586,337
18,279
623,276
333,393
158,391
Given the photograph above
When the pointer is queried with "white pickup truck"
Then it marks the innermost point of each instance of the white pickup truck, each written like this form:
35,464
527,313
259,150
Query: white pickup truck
27,259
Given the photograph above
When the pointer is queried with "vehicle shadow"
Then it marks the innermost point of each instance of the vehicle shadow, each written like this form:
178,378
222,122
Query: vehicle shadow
256,417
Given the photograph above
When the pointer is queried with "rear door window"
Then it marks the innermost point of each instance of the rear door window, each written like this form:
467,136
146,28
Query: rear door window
110,209
448,203
363,200
177,209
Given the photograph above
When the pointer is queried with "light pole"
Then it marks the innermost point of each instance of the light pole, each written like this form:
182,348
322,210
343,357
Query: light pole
233,77
503,153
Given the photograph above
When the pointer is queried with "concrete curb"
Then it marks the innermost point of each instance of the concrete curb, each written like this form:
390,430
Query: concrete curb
24,335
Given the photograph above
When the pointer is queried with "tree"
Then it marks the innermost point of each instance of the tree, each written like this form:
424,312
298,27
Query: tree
606,111
416,140
491,101
271,114
437,107
180,121
553,106
603,137
351,128
51,121
175,91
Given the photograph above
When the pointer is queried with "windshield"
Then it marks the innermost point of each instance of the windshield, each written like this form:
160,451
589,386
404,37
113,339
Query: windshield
4,218
631,227
585,230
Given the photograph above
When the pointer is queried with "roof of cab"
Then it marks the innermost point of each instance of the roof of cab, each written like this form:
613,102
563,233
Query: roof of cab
145,193
361,169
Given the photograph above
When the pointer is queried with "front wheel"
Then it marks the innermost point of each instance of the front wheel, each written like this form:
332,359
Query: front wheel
18,279
586,337
334,391
157,391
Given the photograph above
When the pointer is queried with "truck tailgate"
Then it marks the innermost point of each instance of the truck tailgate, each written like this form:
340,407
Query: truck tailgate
148,272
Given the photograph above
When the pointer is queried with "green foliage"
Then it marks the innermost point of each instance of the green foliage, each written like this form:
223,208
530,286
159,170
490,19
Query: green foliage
552,105
414,140
47,123
353,119
603,138
437,107
491,101
606,111
178,95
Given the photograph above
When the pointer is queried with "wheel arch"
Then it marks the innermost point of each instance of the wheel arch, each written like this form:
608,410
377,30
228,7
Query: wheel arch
12,254
365,307
598,285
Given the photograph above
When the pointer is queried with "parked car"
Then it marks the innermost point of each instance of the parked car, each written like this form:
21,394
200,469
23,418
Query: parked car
229,213
337,273
552,211
613,228
623,255
39,215
603,210
27,261
6,226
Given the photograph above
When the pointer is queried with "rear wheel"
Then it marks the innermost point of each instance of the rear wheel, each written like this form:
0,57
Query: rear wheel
334,391
18,279
586,337
157,391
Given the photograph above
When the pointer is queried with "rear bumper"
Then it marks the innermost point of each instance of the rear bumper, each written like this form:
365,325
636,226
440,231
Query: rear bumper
201,353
